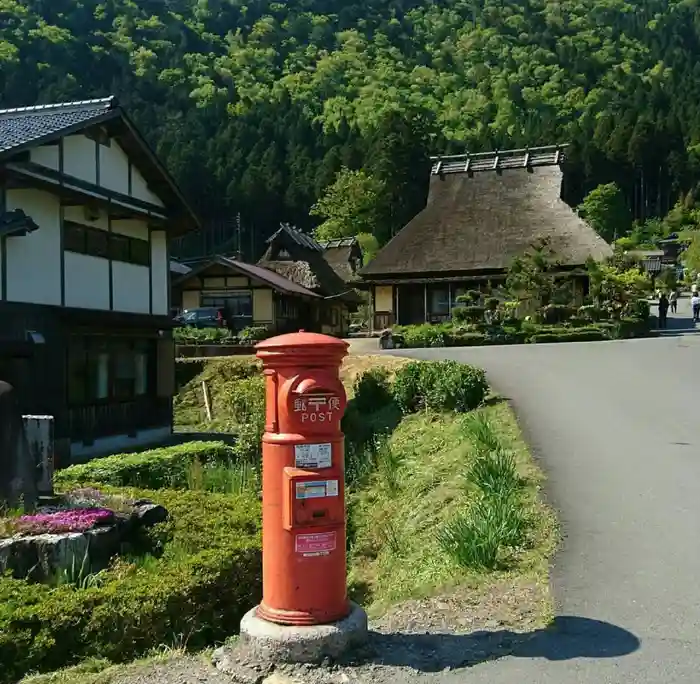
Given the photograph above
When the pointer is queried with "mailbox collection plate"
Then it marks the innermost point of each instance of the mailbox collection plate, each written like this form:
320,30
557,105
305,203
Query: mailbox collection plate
316,489
312,455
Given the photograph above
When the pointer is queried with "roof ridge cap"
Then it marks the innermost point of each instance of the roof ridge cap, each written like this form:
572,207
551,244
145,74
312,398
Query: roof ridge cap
110,102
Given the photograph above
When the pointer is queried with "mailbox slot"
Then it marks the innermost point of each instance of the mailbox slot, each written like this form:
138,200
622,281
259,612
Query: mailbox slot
312,499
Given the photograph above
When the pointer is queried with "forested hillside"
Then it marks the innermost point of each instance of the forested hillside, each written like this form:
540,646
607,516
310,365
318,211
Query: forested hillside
256,105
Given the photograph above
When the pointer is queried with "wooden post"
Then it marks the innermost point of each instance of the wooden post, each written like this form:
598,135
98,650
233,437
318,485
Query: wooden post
207,402
449,299
425,301
396,315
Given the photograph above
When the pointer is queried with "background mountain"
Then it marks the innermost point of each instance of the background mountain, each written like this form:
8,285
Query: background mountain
256,105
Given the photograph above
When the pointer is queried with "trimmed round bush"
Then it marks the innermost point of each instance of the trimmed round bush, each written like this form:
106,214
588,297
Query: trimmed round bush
439,386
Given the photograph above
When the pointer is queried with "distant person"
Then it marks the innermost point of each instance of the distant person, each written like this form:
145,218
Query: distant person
663,310
695,303
673,300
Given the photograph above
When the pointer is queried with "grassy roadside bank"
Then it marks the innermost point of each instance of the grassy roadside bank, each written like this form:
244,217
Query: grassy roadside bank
426,527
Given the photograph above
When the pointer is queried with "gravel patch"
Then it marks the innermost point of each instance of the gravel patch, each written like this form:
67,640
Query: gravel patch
413,641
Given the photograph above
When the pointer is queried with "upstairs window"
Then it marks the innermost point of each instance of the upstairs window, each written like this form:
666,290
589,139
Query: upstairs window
95,242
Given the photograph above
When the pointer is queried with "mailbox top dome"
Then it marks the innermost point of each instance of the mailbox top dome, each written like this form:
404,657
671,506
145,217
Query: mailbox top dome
302,339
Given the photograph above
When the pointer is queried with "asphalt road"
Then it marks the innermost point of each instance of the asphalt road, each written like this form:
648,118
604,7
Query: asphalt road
615,425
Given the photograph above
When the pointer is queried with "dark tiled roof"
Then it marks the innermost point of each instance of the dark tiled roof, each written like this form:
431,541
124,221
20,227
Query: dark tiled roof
301,239
16,223
483,221
338,242
24,125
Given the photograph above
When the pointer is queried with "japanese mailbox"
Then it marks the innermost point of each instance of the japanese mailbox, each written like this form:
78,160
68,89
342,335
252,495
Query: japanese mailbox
304,573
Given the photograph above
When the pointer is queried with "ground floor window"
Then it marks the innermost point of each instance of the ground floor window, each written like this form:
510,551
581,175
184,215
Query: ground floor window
102,369
237,306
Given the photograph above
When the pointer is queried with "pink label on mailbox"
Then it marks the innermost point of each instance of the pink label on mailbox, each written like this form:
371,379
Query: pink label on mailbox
317,544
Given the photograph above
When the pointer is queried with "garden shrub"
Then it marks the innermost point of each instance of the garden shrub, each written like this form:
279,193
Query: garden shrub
208,576
572,335
253,334
638,308
406,387
468,314
154,469
556,313
372,390
440,386
461,338
627,328
425,335
592,312
492,303
194,336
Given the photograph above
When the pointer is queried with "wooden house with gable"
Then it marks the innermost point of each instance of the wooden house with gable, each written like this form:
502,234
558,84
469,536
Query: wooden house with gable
87,213
483,210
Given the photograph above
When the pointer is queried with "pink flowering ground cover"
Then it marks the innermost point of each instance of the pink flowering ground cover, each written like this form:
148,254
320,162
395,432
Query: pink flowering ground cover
71,520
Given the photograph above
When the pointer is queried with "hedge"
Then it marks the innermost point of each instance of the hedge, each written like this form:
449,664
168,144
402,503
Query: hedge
448,335
207,577
155,469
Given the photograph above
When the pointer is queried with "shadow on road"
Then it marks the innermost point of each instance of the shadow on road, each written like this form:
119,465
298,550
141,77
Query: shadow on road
566,639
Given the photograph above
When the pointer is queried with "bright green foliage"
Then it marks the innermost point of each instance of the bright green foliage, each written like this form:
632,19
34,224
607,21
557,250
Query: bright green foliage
617,288
159,468
351,205
256,106
605,209
439,386
208,575
369,245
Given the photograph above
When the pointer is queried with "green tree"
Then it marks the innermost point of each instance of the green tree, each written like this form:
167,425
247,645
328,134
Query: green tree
531,276
352,204
605,209
369,245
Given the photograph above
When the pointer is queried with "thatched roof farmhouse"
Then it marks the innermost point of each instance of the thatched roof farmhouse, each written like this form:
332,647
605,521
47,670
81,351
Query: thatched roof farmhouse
483,210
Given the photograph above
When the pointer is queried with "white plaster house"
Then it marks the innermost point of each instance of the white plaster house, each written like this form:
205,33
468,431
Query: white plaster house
86,216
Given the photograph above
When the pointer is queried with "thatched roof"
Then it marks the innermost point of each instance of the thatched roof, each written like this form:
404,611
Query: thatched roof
300,258
480,219
344,256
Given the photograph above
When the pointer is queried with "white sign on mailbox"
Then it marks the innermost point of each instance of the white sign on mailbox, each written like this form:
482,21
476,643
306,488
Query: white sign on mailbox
312,455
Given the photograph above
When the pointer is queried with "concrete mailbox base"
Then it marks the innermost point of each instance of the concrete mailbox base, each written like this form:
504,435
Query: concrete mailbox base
267,643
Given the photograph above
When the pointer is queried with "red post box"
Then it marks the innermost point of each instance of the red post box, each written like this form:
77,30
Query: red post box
304,572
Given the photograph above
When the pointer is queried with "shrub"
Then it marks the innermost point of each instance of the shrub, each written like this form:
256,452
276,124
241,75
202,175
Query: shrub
557,313
426,335
638,308
372,390
196,336
468,314
469,297
253,334
208,575
154,469
440,386
407,386
591,312
461,338
571,335
627,328
492,303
